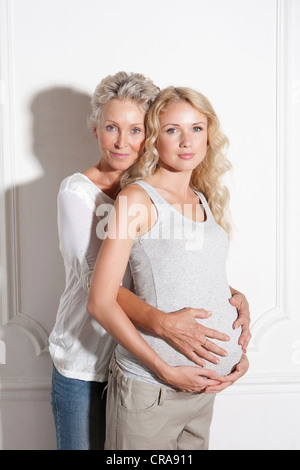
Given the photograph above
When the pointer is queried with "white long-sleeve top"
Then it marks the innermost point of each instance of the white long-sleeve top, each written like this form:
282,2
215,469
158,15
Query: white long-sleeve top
79,347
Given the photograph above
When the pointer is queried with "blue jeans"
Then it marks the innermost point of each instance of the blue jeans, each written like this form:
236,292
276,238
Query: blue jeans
79,413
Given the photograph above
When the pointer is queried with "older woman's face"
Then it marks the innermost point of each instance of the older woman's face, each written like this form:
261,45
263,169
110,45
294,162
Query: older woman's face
121,133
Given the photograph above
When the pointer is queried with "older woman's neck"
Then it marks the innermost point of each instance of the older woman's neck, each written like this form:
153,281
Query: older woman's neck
106,178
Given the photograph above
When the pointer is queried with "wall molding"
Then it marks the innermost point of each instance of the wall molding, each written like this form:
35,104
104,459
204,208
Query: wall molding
21,389
10,312
12,389
266,383
279,312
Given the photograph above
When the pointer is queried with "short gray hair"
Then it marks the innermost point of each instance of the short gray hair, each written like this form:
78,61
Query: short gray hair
122,85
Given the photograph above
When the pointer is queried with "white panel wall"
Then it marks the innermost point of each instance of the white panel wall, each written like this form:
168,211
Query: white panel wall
244,55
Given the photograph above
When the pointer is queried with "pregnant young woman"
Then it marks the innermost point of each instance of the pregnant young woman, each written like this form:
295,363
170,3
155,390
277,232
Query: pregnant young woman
177,259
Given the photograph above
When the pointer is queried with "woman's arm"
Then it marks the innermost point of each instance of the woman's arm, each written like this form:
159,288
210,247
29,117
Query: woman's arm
179,328
103,306
78,241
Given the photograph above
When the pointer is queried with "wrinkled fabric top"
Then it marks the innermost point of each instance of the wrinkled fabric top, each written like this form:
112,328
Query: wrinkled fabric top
80,348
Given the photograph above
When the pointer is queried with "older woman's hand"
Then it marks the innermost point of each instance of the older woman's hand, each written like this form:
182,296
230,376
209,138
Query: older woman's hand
239,301
185,334
230,379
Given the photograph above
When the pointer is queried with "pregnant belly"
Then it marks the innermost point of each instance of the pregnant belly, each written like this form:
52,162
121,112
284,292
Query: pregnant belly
222,319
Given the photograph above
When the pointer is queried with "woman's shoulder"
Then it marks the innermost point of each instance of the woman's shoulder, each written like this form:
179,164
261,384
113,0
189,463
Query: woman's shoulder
72,182
81,187
134,193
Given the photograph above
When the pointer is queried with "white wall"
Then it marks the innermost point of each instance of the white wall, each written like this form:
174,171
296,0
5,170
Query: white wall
244,55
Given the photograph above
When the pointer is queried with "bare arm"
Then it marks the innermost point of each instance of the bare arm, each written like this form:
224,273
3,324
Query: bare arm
179,328
182,330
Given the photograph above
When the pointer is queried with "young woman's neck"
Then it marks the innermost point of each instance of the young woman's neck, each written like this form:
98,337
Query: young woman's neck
178,181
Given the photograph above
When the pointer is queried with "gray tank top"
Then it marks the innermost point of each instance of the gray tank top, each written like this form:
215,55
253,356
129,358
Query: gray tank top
180,263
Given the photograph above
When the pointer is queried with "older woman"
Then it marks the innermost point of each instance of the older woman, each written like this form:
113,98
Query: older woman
80,348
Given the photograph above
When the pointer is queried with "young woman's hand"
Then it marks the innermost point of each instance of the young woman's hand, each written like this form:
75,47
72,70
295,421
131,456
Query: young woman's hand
190,379
230,379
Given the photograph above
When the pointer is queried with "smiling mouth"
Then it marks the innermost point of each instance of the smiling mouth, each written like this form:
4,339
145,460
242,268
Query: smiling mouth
120,156
186,156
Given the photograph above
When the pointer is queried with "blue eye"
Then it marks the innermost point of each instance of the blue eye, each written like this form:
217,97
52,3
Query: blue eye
136,130
110,128
171,131
197,129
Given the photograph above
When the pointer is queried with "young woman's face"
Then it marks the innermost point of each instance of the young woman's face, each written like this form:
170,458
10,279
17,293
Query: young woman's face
121,133
182,143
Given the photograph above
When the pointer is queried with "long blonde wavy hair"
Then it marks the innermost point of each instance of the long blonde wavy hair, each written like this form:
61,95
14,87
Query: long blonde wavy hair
207,176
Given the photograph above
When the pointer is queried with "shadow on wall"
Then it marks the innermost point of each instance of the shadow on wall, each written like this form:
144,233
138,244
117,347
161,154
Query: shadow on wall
63,144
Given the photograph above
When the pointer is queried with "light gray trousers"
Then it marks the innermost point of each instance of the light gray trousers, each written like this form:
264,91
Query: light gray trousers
144,416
